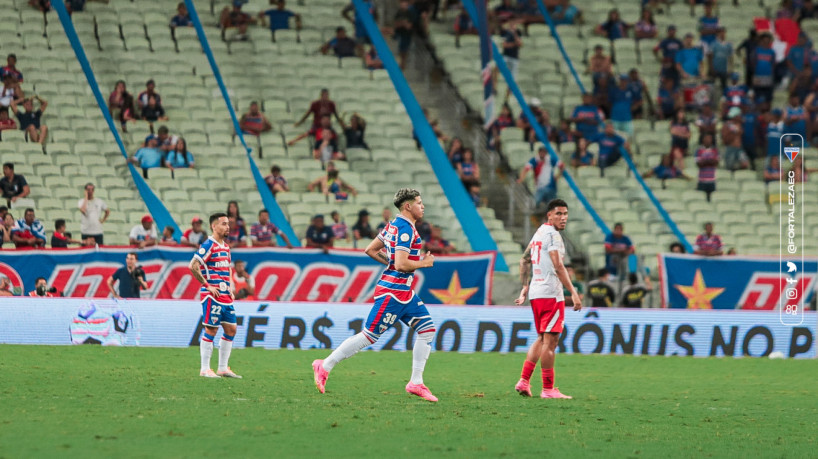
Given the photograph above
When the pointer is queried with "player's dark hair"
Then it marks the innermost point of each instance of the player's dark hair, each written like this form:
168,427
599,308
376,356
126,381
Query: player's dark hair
403,195
58,223
554,203
135,255
601,272
216,216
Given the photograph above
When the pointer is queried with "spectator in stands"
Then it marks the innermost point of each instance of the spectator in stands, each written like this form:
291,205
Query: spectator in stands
194,236
72,6
581,157
731,132
679,136
42,6
319,236
149,157
386,217
735,94
237,235
504,119
720,57
320,182
474,194
41,289
610,147
182,18
279,17
455,151
763,65
646,26
669,46
435,124
254,122
167,236
689,60
424,229
325,147
320,107
150,91
30,119
11,91
6,123
233,210
242,282
362,229
669,99
640,94
748,47
614,28
795,118
5,226
468,170
144,234
504,12
707,159
342,46
403,25
354,132
540,116
463,26
666,170
577,285
708,26
28,231
337,187
633,295
360,32
153,112
707,243
587,117
564,133
236,18
544,177
14,186
512,42
11,68
772,173
372,60
94,214
801,84
677,247
622,100
600,291
339,227
774,132
120,104
706,122
263,233
436,244
179,157
617,248
275,181
599,65
751,132
164,141
566,13
807,11
131,279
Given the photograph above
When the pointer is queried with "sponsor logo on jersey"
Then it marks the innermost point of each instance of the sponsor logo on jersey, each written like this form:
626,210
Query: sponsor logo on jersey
221,264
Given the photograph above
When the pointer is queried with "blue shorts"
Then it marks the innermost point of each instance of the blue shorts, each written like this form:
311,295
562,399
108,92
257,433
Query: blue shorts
215,313
387,310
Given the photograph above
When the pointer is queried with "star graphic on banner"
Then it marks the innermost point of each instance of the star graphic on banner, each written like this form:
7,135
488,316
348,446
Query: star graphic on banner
698,295
455,294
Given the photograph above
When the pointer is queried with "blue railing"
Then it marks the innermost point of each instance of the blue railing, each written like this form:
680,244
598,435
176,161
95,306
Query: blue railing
276,215
538,130
472,224
154,204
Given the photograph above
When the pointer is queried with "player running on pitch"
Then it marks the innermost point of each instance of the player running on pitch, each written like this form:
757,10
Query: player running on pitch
211,267
544,254
394,297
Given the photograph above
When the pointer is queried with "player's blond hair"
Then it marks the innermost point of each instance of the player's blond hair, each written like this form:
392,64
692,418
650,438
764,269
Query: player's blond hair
405,194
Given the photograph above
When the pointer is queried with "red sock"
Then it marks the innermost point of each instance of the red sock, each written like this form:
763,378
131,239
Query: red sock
528,369
547,378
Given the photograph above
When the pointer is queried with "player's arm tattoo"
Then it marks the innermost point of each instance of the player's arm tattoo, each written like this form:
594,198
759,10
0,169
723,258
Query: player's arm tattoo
383,257
525,267
197,273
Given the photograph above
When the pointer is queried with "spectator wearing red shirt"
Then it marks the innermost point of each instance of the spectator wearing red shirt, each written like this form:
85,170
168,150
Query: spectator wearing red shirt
254,122
41,288
242,282
707,243
436,244
60,239
11,68
6,123
194,236
263,233
326,140
318,108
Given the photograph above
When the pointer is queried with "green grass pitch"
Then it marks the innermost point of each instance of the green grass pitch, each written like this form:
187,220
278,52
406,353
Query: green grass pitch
144,402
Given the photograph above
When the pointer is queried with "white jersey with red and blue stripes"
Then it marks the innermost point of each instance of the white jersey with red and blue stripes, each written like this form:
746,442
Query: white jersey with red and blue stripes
215,268
399,234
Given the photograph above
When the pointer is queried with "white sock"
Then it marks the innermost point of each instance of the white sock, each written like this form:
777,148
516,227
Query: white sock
347,349
206,350
420,354
225,346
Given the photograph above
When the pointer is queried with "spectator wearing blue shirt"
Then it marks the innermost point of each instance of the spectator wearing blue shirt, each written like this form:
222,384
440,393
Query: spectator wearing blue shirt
666,170
566,13
342,46
610,145
545,177
582,157
749,136
587,117
669,99
763,63
320,236
640,94
622,99
669,46
708,25
798,55
179,157
182,18
775,129
720,54
617,248
148,157
772,173
279,17
614,28
350,14
689,59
